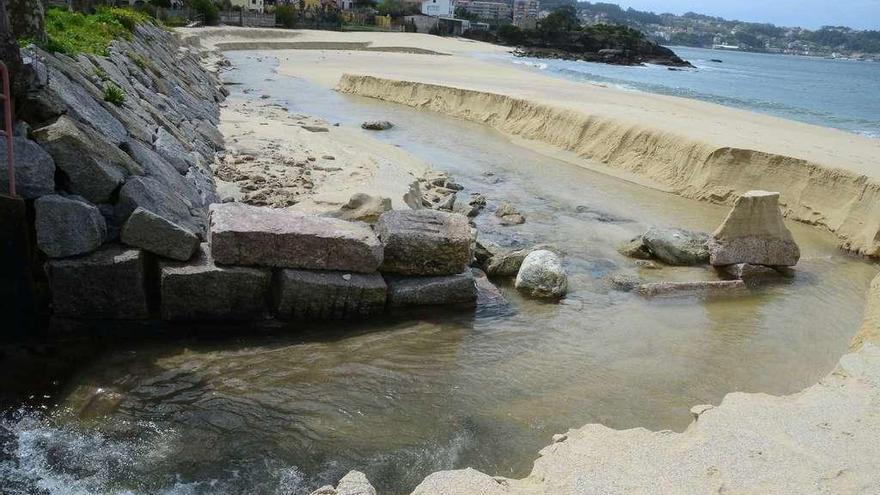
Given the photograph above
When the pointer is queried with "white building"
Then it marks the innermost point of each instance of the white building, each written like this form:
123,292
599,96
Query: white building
249,5
438,8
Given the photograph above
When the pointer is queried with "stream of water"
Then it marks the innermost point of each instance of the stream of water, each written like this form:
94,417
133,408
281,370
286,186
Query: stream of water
399,399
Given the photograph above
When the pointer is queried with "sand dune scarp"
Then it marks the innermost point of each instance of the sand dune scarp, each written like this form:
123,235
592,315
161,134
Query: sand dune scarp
843,202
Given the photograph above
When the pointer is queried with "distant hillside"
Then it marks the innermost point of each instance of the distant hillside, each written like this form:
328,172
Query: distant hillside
704,31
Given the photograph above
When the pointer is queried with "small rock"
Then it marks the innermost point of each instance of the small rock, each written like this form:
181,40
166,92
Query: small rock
377,125
635,248
542,276
315,128
509,215
647,265
365,208
624,282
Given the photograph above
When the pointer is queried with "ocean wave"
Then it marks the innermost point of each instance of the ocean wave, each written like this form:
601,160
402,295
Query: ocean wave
529,63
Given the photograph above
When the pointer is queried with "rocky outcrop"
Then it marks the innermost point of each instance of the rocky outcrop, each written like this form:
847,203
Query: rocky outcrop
754,233
68,226
542,275
424,242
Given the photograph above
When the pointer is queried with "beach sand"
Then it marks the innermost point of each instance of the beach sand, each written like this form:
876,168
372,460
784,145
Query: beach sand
700,150
282,159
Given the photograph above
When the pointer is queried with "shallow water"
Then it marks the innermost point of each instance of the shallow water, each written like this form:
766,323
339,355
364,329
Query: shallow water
832,93
401,398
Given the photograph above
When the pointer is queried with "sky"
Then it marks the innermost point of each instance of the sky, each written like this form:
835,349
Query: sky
859,14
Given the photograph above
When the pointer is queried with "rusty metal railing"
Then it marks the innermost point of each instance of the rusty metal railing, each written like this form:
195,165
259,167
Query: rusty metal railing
6,100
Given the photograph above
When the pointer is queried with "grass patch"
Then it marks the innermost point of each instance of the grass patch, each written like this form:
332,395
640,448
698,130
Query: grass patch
73,33
114,95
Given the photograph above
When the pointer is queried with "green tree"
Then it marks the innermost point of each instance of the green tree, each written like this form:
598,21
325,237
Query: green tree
208,10
394,8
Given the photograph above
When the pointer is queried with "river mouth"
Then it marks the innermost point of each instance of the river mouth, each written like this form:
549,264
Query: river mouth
399,399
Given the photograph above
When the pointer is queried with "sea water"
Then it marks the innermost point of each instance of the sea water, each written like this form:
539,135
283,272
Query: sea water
839,93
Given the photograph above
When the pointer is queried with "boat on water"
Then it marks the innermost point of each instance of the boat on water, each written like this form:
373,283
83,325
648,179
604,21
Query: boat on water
725,47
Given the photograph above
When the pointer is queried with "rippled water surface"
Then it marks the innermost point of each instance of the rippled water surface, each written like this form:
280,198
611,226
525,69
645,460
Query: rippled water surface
401,398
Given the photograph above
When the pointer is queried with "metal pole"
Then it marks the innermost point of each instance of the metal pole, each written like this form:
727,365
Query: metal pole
6,98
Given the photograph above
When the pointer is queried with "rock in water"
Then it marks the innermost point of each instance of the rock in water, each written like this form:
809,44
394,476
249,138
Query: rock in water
34,169
308,294
754,233
159,235
68,226
424,242
676,246
509,215
458,289
541,275
377,125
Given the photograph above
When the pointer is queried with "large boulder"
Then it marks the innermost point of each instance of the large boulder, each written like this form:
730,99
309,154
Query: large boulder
252,235
676,246
159,235
68,226
34,169
542,275
308,294
171,149
94,167
754,233
425,242
154,196
458,289
109,283
201,290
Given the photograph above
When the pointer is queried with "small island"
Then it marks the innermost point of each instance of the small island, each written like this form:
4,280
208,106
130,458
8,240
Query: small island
561,36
